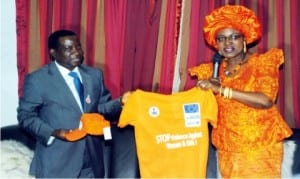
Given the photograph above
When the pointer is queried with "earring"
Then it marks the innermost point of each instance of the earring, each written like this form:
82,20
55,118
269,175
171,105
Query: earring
245,47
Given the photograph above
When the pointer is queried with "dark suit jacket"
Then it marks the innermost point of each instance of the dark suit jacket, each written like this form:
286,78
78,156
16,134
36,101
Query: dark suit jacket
47,104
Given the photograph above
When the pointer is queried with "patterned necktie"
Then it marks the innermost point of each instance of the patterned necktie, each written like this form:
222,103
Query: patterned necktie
78,86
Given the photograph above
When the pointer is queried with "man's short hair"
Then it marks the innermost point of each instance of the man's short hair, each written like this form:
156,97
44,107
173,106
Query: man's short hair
53,40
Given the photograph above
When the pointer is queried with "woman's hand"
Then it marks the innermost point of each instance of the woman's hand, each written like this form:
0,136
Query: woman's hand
212,84
253,99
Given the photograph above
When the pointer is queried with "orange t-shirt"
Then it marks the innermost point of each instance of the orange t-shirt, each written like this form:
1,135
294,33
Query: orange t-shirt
171,131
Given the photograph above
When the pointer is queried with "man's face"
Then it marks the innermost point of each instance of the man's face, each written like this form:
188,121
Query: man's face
69,53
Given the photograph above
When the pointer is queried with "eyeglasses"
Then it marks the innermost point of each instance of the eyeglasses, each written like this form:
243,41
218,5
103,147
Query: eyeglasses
232,37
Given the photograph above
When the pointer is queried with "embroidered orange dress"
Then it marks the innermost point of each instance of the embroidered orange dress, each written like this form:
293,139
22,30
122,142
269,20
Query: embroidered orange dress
249,140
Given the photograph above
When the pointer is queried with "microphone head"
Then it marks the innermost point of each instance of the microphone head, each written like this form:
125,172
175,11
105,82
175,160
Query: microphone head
217,58
216,61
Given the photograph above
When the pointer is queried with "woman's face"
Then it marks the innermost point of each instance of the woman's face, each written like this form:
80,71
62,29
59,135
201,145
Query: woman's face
230,42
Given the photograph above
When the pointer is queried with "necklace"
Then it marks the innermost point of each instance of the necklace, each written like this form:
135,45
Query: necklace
235,69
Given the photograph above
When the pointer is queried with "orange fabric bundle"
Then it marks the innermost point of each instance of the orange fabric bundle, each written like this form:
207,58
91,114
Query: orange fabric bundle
92,123
75,135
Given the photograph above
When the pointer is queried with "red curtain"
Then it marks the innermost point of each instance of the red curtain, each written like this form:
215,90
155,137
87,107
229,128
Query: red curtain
114,13
294,57
199,52
142,26
23,21
135,42
169,46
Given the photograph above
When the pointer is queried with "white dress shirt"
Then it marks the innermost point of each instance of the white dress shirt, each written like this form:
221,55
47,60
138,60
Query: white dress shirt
69,80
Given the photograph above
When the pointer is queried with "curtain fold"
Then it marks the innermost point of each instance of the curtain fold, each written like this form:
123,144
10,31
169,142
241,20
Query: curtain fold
278,6
142,26
114,15
22,32
159,49
295,56
198,51
45,26
183,40
169,46
90,24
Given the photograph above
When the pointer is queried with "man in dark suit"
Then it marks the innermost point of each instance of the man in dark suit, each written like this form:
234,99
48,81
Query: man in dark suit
50,107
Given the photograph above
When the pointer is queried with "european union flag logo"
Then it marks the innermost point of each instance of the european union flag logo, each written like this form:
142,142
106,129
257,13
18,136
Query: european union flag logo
191,108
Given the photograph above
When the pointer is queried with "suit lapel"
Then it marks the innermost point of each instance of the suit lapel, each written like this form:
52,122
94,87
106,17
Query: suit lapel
61,87
87,85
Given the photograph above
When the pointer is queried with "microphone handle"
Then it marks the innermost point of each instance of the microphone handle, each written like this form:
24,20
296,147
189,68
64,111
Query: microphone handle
216,70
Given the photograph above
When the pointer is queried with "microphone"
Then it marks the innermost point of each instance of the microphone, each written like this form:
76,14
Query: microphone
216,62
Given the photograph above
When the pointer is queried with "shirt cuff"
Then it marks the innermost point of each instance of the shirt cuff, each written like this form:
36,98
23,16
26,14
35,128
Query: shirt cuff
50,140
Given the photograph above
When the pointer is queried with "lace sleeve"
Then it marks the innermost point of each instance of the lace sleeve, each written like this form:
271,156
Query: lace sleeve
267,74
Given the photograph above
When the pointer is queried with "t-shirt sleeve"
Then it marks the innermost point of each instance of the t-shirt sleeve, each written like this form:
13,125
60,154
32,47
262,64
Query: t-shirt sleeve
267,75
210,108
203,71
129,112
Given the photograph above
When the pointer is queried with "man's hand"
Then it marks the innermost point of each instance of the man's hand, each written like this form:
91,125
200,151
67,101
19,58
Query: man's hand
125,97
60,133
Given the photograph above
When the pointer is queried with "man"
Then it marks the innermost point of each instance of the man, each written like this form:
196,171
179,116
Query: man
51,107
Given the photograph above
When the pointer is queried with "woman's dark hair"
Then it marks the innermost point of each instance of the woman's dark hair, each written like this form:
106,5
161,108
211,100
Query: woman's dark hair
53,40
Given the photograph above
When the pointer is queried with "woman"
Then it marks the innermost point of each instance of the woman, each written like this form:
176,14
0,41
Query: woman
250,129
